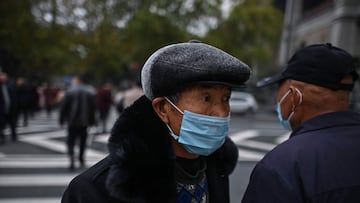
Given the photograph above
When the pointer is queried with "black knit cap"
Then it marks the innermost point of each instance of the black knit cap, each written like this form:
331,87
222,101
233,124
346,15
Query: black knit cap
319,64
176,66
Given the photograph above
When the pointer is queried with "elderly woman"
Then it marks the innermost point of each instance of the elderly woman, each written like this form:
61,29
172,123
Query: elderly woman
171,145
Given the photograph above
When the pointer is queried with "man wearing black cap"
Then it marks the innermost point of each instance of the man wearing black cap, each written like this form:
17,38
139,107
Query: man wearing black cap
320,160
171,145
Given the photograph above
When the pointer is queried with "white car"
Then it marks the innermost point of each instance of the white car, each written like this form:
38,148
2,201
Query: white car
242,102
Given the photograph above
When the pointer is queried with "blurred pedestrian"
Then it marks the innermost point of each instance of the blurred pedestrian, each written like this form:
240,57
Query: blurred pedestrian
24,98
78,111
34,100
104,100
119,101
132,94
7,108
50,97
157,152
320,160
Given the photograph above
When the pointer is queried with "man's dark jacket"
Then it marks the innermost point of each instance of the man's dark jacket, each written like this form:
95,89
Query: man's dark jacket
78,107
140,167
12,111
319,163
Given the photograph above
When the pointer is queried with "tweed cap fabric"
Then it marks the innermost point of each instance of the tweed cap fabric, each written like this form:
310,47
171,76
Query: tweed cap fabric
176,66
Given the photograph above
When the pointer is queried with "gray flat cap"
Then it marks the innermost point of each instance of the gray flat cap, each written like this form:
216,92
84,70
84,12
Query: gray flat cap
176,66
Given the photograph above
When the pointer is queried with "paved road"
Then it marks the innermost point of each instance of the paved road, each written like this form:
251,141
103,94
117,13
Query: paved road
35,169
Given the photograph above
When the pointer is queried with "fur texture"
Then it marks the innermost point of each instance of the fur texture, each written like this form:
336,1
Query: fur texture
140,148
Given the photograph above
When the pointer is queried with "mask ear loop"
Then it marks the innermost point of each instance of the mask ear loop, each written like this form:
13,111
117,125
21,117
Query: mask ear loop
300,101
285,95
301,96
176,137
173,105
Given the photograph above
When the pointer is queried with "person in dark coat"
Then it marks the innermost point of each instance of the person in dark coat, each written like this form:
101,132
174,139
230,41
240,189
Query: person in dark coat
78,112
104,100
171,144
320,160
24,98
8,107
50,95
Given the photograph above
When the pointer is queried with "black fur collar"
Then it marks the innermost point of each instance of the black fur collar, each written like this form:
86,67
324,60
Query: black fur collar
143,161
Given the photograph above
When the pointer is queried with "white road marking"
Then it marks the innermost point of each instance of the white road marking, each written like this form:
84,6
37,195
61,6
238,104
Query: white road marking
46,140
30,200
283,138
242,139
243,135
256,145
102,138
10,180
43,162
248,155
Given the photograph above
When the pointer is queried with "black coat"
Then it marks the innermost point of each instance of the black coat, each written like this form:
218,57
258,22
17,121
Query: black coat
319,163
140,167
78,107
13,103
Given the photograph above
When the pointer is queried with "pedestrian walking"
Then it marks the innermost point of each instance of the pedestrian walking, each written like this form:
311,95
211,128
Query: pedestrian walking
132,94
104,101
34,100
50,94
320,160
78,111
8,108
157,152
24,98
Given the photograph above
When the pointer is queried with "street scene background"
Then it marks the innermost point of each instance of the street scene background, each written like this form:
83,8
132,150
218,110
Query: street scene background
46,42
35,168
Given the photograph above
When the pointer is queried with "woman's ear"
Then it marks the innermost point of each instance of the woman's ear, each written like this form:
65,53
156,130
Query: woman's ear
161,108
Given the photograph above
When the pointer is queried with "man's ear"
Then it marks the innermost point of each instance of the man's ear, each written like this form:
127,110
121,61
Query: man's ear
161,108
296,97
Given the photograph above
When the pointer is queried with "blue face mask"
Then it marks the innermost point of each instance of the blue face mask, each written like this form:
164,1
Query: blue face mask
286,123
201,134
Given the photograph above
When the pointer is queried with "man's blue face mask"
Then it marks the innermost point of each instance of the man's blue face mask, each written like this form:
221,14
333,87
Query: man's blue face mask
201,134
286,123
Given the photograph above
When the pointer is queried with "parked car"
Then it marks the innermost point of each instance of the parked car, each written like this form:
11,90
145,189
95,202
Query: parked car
243,102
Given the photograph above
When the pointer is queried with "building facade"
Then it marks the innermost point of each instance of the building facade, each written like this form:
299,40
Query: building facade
320,21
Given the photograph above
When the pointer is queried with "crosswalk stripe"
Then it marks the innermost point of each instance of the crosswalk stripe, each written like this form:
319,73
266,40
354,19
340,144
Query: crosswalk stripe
30,200
242,135
241,139
39,164
10,180
58,146
42,161
256,145
249,155
283,137
44,140
43,157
